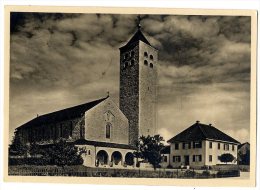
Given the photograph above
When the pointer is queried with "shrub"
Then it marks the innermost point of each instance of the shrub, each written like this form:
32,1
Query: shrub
229,173
226,158
205,173
189,173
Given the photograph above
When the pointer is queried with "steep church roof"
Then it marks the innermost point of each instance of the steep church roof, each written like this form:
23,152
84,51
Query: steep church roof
199,131
62,115
138,36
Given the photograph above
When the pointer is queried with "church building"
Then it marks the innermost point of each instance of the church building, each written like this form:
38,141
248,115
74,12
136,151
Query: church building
106,133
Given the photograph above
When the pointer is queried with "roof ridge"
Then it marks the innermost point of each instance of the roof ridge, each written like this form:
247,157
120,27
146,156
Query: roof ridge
203,132
101,99
65,111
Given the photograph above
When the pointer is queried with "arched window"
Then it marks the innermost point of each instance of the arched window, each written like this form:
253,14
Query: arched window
145,62
125,65
126,56
108,130
132,53
145,54
151,65
132,62
151,57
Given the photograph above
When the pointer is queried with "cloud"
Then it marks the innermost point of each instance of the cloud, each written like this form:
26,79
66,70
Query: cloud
59,60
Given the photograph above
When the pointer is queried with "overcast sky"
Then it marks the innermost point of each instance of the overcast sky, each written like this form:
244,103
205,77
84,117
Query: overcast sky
62,60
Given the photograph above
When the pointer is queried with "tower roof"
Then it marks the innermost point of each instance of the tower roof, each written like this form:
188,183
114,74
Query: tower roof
138,36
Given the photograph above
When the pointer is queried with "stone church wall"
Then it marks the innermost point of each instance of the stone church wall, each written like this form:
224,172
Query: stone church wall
129,90
96,121
51,132
147,89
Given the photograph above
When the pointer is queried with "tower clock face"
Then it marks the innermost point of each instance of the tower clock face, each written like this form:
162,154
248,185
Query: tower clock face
109,117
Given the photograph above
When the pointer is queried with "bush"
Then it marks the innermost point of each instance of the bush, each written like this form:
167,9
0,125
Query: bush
229,173
28,161
227,157
189,173
206,167
205,173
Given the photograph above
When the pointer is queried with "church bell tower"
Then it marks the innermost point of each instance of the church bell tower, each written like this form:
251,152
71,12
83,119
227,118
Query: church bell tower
138,85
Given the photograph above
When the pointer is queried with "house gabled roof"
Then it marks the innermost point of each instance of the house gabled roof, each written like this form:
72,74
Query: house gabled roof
138,36
241,145
199,131
166,150
62,115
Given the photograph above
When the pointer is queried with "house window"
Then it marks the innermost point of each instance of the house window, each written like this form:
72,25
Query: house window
176,159
108,130
233,147
88,152
197,144
186,145
164,158
226,146
218,145
210,144
210,158
151,65
145,54
145,62
151,57
197,158
176,146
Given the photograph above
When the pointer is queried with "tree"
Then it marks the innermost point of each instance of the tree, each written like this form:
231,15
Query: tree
244,158
226,158
62,153
149,149
18,147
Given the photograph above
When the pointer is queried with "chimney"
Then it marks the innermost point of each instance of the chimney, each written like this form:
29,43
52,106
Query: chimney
210,125
197,121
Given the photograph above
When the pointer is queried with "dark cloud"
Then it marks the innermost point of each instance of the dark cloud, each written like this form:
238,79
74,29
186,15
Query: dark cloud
59,60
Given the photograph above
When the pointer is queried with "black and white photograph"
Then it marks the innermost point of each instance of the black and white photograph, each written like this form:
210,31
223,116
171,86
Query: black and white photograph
131,95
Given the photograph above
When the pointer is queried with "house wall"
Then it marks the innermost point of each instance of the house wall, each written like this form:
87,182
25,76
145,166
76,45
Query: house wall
190,152
165,164
205,152
215,152
96,121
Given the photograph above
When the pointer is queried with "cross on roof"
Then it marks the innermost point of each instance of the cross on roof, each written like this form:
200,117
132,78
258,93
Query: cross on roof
139,22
